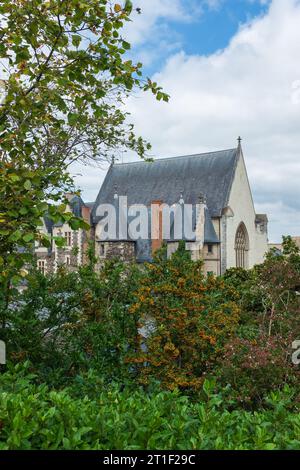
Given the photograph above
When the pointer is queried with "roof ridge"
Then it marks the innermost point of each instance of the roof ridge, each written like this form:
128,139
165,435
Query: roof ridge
179,156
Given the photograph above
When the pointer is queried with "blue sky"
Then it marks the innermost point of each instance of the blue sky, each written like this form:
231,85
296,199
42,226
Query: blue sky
210,28
231,68
203,27
216,27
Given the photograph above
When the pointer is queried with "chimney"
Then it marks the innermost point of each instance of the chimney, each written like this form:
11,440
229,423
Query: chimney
86,214
200,220
156,225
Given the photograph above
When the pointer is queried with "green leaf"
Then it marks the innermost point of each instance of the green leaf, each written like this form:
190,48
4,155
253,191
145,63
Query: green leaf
59,241
14,177
126,45
76,40
23,211
16,280
27,185
16,235
73,118
75,224
28,237
128,6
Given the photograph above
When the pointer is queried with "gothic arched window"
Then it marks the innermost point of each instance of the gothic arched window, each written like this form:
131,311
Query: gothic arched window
241,247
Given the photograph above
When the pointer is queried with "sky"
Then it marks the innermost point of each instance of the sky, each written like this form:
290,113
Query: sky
231,67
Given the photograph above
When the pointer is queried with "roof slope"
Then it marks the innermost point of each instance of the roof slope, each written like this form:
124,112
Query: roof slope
210,174
76,204
210,235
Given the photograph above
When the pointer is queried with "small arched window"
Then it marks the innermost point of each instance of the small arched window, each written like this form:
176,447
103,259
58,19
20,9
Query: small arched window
241,247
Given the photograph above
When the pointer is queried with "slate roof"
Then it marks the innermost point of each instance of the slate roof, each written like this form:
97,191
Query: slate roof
143,248
49,224
76,205
210,235
210,174
170,179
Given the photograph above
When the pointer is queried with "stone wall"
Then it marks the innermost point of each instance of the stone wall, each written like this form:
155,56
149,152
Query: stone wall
122,250
48,259
241,203
211,260
69,256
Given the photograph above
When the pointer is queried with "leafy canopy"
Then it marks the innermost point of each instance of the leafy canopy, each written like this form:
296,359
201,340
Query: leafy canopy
64,77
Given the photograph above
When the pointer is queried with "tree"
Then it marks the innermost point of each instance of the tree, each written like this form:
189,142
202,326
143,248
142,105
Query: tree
186,319
279,283
65,76
259,359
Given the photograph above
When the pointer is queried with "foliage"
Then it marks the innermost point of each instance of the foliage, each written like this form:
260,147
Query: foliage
164,327
65,77
251,369
22,203
258,360
66,72
71,322
93,338
185,319
245,283
279,284
35,417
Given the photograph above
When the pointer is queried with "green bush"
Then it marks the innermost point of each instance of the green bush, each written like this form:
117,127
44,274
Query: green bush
188,319
82,330
70,322
252,369
35,417
258,360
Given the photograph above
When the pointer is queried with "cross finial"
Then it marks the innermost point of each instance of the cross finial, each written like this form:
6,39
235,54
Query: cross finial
239,141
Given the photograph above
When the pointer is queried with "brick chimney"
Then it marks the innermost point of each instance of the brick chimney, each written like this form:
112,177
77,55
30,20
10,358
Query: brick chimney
156,225
86,214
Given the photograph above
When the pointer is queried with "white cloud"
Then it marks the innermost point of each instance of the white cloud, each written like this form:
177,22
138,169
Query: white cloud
151,33
248,89
214,4
144,26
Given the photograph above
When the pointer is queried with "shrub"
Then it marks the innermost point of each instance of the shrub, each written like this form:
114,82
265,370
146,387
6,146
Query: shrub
70,322
251,369
258,359
35,417
186,319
